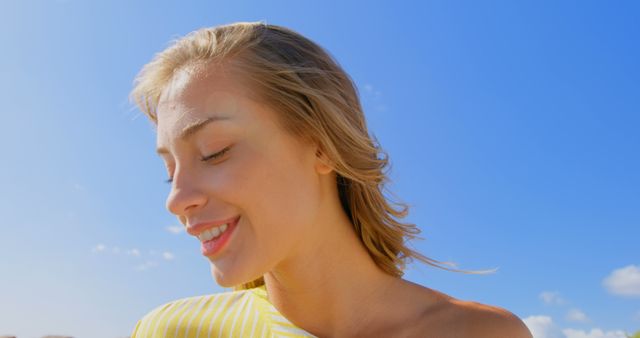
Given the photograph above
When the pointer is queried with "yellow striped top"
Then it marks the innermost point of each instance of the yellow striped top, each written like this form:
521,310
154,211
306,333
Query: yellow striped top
246,313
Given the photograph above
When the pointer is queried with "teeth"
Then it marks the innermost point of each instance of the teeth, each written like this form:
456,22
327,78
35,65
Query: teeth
211,233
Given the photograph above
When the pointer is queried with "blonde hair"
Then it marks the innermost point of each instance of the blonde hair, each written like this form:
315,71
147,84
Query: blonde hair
316,101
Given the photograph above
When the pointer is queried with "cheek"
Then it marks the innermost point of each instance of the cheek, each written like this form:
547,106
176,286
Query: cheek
278,200
277,194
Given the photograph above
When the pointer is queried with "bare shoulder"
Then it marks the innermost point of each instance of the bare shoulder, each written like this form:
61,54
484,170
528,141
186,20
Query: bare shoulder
487,321
451,317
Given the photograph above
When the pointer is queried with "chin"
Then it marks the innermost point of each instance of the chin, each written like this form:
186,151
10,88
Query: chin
222,279
227,280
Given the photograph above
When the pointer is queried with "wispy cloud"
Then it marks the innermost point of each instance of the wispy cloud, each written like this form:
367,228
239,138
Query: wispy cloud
552,298
542,327
373,95
135,252
175,229
98,248
146,265
624,281
594,333
168,255
576,315
101,248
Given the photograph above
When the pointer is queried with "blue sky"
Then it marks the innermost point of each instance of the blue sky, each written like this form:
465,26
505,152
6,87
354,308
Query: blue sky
512,129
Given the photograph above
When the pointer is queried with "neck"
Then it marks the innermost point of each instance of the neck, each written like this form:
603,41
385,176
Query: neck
332,287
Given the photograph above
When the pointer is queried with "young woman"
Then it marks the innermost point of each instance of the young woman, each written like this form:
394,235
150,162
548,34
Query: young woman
273,169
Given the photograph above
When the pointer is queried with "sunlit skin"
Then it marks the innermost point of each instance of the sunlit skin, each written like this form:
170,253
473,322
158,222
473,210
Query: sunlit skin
292,229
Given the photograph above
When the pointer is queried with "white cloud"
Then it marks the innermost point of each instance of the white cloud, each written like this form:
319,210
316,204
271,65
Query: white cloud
133,252
146,265
542,327
98,248
594,333
374,95
624,281
576,315
175,229
165,255
551,298
115,250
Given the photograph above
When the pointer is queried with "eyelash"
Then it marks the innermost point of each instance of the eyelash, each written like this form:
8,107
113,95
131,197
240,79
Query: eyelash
205,159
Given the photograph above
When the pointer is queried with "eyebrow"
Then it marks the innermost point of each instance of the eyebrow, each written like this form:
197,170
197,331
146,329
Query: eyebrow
192,128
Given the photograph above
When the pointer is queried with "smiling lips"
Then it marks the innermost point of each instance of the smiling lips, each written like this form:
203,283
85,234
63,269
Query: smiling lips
212,243
213,235
199,229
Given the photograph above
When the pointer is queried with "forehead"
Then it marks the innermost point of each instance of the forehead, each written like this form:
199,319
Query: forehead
197,92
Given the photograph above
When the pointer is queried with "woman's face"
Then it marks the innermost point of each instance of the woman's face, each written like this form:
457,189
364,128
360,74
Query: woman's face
266,177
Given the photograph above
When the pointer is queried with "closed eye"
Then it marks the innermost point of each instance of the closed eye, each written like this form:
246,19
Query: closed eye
207,158
216,155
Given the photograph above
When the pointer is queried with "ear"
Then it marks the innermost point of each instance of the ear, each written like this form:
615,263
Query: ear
323,164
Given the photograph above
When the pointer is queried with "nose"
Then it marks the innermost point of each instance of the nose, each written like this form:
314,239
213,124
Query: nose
185,196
